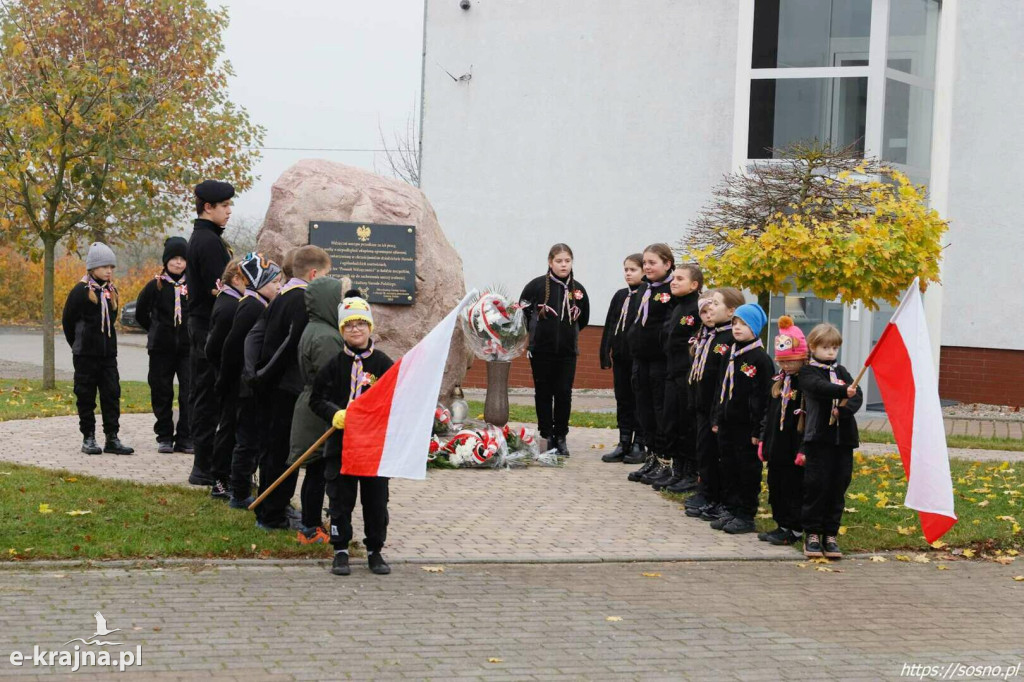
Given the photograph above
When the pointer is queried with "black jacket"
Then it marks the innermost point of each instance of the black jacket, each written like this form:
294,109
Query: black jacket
232,354
154,310
82,323
332,385
208,255
647,340
819,392
554,333
781,439
705,395
682,323
220,324
286,320
615,341
741,415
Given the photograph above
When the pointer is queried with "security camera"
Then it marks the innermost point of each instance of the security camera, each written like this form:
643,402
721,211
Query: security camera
464,4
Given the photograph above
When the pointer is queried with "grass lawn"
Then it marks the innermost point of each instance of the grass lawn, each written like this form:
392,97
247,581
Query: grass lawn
989,500
43,519
26,399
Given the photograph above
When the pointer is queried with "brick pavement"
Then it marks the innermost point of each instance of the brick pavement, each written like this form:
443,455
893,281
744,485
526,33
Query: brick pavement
586,511
713,621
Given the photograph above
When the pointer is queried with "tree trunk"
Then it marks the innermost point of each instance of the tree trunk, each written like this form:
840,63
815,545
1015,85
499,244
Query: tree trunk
49,246
764,299
496,402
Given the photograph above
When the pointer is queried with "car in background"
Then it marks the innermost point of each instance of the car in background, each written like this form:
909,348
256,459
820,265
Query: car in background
128,318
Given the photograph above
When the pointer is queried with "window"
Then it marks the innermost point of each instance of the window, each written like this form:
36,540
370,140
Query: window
783,111
806,33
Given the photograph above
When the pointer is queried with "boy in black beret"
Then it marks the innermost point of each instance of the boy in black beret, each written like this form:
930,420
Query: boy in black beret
162,310
207,255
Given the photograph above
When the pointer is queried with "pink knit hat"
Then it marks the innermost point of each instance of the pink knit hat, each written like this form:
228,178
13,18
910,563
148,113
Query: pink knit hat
790,344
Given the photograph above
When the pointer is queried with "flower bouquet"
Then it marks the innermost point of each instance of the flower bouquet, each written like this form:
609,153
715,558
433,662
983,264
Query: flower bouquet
495,328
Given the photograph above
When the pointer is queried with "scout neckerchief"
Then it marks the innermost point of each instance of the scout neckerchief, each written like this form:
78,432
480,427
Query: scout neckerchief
621,324
701,356
293,283
786,393
645,302
249,293
355,385
730,370
567,309
229,290
699,341
832,376
103,293
179,289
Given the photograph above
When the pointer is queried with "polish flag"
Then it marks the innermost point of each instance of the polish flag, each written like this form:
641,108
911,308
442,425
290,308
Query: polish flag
903,367
387,429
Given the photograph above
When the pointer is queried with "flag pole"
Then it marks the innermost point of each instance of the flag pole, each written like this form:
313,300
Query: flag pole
293,467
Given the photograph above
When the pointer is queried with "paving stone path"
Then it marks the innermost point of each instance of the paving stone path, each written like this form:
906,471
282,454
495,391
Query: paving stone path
680,621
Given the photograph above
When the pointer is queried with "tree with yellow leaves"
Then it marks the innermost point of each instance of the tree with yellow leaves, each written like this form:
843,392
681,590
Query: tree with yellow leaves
824,220
110,110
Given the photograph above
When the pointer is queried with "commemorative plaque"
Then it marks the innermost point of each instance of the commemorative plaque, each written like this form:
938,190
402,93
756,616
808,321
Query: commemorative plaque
380,259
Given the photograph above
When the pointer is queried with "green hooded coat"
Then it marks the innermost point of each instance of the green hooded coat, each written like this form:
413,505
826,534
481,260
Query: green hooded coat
320,342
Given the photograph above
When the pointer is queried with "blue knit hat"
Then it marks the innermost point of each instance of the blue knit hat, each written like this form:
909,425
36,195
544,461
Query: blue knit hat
753,315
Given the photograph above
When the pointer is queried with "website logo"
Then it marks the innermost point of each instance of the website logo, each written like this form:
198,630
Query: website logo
83,655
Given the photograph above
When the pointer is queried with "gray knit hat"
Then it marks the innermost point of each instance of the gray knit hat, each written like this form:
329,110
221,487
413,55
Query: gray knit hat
99,255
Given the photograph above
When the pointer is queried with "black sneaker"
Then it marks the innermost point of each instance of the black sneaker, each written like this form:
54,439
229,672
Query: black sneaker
220,491
832,550
683,485
115,447
90,446
788,537
812,545
563,449
340,565
552,444
618,454
184,445
236,503
766,536
279,524
164,447
635,456
377,564
642,471
659,470
695,501
738,525
711,512
724,519
199,477
292,513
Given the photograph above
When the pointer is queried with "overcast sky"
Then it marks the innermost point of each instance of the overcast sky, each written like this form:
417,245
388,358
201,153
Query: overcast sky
322,75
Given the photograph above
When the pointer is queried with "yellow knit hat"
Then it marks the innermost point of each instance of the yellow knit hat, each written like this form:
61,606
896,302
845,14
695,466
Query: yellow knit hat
354,307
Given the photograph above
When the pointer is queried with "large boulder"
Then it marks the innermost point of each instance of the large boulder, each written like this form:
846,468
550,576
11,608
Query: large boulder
315,189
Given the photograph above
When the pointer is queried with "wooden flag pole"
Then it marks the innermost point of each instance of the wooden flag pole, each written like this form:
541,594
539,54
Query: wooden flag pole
305,455
856,382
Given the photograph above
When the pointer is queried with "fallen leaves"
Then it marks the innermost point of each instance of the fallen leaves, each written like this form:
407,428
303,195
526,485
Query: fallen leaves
613,619
1019,578
495,660
942,567
79,512
651,575
433,569
45,509
968,554
878,559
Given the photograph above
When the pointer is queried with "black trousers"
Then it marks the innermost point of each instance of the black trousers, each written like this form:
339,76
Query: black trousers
786,490
341,492
709,467
312,494
741,470
278,407
679,427
826,477
625,401
205,408
650,377
94,373
246,451
552,392
224,438
162,369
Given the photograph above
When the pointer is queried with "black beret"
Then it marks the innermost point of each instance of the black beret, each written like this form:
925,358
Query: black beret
214,191
174,247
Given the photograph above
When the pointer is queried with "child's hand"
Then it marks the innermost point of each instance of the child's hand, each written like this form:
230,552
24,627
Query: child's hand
755,441
851,391
835,414
800,460
760,449
338,421
714,429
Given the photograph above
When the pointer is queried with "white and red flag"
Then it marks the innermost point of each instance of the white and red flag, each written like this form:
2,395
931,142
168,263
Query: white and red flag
903,367
387,429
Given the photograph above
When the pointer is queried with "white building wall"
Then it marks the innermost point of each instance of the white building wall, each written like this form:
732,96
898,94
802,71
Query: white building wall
983,289
600,123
